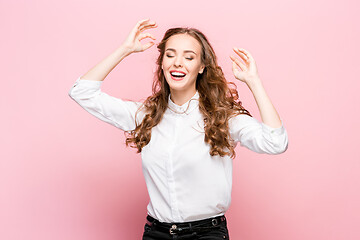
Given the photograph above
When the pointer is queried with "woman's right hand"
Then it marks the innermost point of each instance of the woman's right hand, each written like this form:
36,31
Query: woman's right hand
132,42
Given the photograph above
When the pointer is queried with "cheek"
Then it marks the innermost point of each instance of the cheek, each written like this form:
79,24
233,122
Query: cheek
167,61
193,68
163,63
166,65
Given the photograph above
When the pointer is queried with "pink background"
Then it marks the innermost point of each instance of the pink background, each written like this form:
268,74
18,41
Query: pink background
66,175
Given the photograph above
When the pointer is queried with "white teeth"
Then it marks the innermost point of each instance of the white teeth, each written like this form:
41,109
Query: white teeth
177,74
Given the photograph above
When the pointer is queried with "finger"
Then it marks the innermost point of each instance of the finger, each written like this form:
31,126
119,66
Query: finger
148,25
241,54
148,45
134,31
141,22
235,69
247,53
146,35
238,63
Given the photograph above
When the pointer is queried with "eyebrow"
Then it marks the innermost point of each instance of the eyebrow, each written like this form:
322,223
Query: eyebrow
171,49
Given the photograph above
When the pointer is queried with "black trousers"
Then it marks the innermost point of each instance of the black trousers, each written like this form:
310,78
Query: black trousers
207,229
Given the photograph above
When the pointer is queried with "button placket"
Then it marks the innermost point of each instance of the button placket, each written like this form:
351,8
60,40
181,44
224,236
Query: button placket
170,173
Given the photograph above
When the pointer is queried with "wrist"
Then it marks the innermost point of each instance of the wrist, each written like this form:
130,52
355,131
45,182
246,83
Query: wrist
125,50
121,52
255,84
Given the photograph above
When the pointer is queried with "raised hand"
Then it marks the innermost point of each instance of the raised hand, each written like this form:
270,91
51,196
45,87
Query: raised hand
246,72
133,43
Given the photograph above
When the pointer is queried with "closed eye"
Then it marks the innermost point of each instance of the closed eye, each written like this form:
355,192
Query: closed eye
169,56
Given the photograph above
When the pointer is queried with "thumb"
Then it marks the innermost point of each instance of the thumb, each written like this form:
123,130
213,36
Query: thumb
148,45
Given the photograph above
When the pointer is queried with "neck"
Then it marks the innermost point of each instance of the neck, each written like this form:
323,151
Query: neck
179,97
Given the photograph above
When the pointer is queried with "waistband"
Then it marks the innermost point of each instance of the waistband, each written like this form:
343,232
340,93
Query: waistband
182,227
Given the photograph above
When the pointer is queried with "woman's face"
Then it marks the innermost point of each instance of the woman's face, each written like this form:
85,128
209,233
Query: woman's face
182,63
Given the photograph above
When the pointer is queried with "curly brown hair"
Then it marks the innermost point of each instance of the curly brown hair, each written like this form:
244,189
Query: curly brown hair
217,101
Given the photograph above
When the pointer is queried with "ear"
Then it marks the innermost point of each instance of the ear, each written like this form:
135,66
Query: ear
202,69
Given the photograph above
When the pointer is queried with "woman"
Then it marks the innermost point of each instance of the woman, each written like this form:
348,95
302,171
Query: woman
186,130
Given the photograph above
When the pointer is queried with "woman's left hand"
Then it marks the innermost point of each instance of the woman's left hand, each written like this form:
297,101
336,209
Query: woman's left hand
248,72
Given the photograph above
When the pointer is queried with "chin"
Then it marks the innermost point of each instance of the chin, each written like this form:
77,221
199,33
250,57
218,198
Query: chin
179,85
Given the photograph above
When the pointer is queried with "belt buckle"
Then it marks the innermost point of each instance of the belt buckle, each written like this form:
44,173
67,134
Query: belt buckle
173,227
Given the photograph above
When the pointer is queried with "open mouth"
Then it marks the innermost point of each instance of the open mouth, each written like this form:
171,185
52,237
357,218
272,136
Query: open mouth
177,75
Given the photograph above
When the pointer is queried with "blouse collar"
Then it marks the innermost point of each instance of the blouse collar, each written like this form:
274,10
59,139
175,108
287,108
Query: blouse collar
187,107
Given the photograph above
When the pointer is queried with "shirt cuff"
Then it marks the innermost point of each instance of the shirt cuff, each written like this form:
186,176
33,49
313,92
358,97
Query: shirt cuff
88,83
272,130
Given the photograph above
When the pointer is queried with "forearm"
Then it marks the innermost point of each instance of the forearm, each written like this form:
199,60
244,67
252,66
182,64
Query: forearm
268,112
103,68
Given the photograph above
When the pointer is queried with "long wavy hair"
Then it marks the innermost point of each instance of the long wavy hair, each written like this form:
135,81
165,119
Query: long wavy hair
217,100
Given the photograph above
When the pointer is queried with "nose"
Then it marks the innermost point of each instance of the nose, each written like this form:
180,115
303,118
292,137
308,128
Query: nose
178,62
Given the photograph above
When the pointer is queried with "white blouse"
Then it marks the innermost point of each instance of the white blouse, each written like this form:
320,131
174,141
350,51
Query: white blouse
184,182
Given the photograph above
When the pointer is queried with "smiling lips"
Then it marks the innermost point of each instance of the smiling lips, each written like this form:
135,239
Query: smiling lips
177,75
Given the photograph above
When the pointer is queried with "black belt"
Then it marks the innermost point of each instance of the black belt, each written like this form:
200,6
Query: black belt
174,228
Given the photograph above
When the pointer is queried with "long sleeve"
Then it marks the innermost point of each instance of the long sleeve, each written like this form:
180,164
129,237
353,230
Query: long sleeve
115,111
258,136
